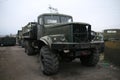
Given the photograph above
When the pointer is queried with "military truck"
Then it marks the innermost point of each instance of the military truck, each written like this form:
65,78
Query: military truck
7,41
111,34
98,36
56,38
19,37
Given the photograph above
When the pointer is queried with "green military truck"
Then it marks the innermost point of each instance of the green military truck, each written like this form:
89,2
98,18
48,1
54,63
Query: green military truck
98,36
56,38
7,41
19,37
111,34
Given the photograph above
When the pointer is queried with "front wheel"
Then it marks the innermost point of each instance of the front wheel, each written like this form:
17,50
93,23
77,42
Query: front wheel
49,62
90,60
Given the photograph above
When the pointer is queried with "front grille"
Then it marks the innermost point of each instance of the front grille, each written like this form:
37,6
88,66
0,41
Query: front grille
79,33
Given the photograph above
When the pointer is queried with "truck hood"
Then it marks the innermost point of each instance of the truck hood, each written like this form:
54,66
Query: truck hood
64,24
73,32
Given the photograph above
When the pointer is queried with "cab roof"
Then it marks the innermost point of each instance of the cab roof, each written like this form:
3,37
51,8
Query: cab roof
112,29
56,14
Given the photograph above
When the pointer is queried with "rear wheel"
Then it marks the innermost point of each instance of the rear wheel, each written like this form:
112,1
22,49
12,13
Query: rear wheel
29,49
22,43
49,62
90,60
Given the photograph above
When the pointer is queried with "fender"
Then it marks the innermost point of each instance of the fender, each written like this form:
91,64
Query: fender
47,40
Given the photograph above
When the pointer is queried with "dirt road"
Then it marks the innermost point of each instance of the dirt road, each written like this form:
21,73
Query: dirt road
16,65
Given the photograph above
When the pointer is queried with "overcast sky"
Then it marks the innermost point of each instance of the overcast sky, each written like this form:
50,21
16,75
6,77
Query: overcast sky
101,14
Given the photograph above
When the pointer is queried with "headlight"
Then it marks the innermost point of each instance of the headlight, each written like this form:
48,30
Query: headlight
62,38
58,38
54,38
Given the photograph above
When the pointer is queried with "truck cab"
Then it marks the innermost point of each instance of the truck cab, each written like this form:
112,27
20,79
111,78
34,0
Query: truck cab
53,25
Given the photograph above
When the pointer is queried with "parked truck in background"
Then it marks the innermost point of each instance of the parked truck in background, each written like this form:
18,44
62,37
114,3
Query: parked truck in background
56,38
98,36
19,37
111,34
7,41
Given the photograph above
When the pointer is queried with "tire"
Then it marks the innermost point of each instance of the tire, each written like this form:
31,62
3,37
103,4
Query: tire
90,60
29,49
49,62
22,43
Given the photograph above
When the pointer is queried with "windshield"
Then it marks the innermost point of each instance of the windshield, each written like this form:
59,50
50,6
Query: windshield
53,19
66,19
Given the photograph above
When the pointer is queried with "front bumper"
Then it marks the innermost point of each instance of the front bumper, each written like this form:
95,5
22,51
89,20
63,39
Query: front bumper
70,46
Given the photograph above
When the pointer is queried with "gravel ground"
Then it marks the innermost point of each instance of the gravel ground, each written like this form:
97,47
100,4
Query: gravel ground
16,65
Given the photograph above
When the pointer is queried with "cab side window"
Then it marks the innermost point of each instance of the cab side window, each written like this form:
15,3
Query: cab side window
40,21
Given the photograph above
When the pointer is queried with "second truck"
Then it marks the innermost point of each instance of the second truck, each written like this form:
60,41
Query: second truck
56,38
